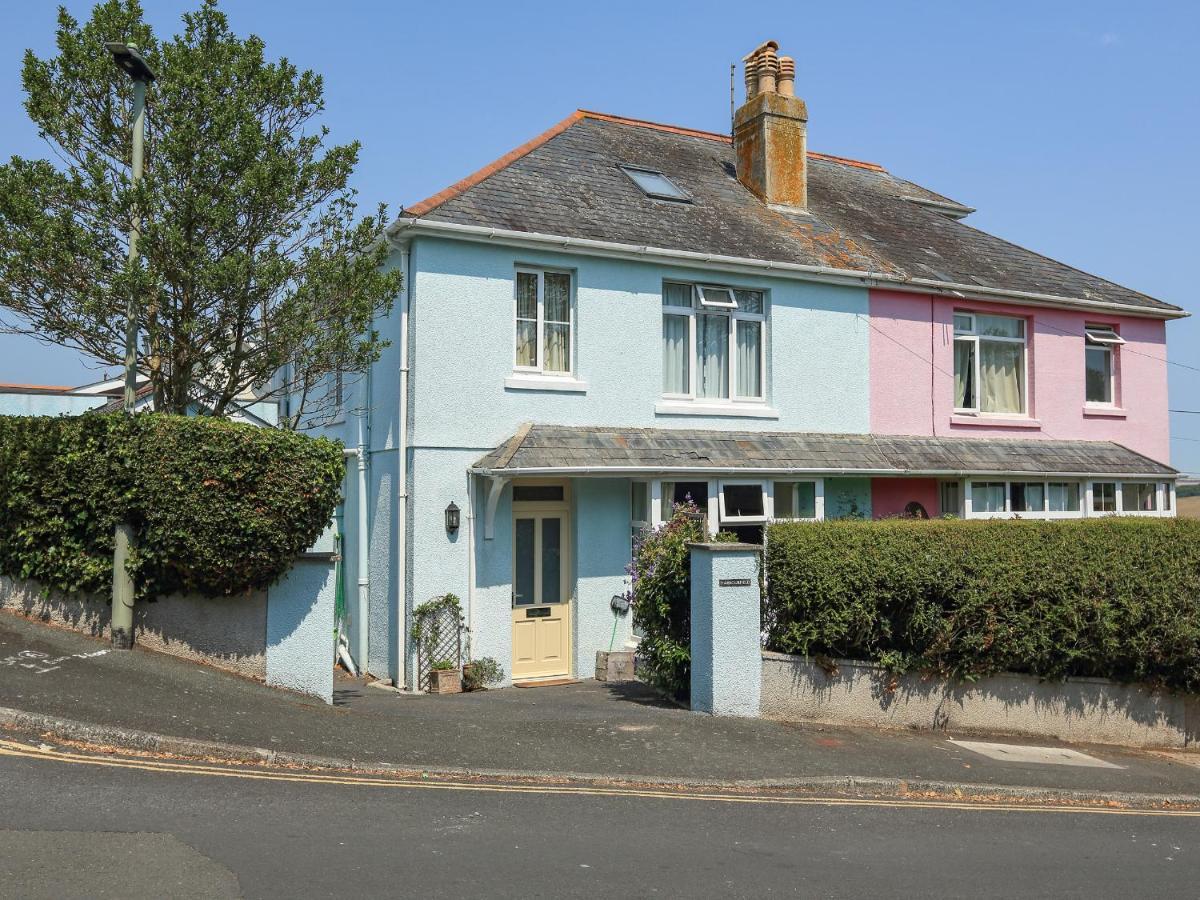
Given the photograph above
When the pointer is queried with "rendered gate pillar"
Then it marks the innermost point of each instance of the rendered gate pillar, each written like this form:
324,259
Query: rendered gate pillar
726,629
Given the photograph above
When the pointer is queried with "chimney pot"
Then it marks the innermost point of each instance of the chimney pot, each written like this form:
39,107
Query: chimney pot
751,78
768,70
787,76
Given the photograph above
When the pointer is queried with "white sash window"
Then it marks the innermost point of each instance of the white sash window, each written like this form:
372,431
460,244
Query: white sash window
714,343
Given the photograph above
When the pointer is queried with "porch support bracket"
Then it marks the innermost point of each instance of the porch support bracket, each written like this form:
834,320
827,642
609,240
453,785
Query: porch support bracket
496,485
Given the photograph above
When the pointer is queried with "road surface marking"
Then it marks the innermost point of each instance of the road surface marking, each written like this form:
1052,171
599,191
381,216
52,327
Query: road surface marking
50,754
41,663
1047,756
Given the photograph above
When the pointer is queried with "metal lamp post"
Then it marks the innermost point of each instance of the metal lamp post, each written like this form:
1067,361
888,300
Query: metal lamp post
131,62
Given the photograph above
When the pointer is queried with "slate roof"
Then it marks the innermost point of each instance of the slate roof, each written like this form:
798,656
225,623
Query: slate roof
567,182
543,447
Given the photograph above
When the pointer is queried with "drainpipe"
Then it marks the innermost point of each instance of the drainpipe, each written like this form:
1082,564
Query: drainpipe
471,563
402,674
364,578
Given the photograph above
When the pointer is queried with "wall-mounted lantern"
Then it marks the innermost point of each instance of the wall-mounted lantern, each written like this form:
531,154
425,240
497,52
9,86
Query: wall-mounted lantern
452,518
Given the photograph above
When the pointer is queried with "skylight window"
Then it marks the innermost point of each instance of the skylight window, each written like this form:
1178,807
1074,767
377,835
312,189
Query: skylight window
655,184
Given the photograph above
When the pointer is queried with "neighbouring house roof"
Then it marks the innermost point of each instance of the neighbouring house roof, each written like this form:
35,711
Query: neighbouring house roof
582,450
860,217
7,388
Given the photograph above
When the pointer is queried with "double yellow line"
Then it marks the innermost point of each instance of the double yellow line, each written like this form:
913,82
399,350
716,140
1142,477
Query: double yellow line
408,782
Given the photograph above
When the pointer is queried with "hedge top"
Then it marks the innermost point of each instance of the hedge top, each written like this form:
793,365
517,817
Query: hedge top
218,507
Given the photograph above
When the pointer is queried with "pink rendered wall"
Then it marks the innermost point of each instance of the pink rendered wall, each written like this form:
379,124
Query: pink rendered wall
889,496
911,396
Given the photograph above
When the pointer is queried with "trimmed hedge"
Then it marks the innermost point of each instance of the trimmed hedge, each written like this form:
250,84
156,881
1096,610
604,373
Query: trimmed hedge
219,508
1115,598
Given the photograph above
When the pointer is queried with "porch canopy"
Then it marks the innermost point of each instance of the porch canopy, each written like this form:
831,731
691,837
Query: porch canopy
583,450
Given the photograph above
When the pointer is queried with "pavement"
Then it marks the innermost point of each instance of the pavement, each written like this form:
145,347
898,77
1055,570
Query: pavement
73,826
60,682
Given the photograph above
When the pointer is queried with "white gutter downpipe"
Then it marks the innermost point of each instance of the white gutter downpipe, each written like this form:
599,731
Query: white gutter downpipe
402,675
362,548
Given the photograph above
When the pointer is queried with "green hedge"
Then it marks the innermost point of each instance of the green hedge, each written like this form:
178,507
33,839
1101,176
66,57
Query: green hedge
219,508
1115,597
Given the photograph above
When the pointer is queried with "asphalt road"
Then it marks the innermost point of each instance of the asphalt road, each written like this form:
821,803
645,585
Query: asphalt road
82,829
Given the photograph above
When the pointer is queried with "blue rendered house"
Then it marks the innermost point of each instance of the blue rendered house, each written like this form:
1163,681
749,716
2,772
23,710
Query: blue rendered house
621,315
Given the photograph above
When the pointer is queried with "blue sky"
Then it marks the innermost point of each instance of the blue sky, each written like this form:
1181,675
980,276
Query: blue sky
1074,128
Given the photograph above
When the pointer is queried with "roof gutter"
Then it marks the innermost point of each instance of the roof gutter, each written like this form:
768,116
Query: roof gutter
646,471
855,277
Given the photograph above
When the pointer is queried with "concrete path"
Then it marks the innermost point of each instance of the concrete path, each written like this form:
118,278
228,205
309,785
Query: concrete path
589,729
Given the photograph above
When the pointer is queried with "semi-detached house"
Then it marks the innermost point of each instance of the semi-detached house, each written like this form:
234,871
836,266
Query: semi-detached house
619,315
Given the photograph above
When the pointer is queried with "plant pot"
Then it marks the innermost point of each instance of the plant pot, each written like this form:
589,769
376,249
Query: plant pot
445,681
468,680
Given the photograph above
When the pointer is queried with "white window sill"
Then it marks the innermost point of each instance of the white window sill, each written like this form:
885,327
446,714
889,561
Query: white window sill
737,410
1104,412
562,383
994,421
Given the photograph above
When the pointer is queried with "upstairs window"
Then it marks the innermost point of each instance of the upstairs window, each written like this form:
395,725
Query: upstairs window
543,322
656,184
989,364
713,343
1100,343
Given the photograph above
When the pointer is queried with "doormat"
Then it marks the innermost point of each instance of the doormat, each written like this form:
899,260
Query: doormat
548,682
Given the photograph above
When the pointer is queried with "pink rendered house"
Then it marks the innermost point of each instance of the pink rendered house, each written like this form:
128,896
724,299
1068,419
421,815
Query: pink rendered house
949,367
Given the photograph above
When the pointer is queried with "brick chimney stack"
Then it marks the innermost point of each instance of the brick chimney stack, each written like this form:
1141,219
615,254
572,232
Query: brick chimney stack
770,130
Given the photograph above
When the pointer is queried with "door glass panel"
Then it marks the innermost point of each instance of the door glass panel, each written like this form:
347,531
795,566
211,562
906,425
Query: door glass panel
537,493
523,563
551,560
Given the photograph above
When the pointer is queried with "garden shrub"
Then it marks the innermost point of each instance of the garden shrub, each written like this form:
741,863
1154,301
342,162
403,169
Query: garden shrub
1115,597
218,508
660,596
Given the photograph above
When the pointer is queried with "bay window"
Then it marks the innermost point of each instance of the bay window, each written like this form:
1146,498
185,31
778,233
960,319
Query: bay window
714,346
989,364
1099,357
543,322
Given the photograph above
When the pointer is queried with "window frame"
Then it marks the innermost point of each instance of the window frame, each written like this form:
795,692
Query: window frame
733,314
1082,493
540,368
818,499
681,195
726,519
975,338
1107,339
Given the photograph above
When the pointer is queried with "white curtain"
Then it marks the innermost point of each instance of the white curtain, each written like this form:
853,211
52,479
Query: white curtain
964,375
557,316
987,496
1001,367
558,348
712,352
676,354
749,359
526,319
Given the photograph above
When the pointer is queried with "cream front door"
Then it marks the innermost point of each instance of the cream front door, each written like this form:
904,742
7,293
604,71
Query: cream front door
541,601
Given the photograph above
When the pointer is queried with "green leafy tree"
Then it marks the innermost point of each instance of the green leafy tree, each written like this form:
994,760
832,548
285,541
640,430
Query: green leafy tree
256,275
